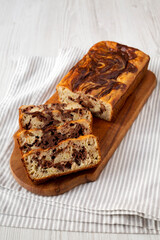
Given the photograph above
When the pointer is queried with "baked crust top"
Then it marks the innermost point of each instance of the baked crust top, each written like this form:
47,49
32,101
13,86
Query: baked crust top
106,71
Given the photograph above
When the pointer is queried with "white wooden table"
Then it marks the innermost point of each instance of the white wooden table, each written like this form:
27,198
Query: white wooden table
41,27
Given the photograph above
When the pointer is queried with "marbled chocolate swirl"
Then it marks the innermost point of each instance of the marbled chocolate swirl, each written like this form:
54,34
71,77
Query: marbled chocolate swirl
100,67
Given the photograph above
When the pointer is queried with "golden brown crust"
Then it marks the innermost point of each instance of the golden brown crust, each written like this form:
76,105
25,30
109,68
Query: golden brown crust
132,87
106,73
38,181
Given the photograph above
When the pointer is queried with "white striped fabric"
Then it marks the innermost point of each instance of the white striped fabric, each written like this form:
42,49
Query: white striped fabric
126,196
13,206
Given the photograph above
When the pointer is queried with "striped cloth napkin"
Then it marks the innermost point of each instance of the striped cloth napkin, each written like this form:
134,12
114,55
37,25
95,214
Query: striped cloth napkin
126,196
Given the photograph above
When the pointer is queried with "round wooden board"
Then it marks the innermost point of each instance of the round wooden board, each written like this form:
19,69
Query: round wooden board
109,134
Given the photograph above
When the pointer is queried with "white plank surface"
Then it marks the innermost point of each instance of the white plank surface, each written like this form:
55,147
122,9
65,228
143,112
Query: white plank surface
41,27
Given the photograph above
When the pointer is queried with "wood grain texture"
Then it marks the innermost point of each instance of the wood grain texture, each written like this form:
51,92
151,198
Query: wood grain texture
109,135
42,27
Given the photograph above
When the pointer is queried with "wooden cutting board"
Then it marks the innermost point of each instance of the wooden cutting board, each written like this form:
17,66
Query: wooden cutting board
109,134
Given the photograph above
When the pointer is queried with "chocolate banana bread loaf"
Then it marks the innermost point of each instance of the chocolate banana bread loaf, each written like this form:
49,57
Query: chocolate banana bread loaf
103,79
51,136
68,156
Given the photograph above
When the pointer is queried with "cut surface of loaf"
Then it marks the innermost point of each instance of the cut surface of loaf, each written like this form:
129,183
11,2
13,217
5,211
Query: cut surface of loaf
103,79
69,156
50,137
41,119
47,107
